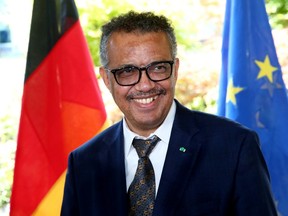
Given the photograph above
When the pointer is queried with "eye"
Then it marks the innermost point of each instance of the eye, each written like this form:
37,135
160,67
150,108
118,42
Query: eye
159,68
126,72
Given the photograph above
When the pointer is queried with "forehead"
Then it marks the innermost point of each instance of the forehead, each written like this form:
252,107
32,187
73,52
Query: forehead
130,47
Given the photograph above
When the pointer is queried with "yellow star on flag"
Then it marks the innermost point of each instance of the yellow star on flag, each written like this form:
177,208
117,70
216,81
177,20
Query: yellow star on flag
266,69
232,91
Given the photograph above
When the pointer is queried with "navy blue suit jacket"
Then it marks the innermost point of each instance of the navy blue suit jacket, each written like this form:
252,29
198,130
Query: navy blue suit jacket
222,172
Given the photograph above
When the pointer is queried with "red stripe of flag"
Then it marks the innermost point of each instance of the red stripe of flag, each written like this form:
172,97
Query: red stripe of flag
61,108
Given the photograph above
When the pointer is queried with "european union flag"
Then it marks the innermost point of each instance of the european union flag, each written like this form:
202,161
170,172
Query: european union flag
252,90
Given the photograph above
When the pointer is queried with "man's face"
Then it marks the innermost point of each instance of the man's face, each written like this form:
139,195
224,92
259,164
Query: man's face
147,103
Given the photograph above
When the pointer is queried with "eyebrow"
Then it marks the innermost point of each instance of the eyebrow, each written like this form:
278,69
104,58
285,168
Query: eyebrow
123,66
131,65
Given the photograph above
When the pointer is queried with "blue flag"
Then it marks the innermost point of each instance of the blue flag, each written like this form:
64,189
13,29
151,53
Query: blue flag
252,90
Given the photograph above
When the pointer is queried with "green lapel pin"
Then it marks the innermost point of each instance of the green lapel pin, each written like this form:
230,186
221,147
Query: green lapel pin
182,149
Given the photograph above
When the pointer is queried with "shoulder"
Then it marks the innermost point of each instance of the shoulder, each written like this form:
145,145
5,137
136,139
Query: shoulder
208,123
217,135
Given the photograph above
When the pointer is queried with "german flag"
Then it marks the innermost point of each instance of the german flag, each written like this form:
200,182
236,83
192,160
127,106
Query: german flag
62,107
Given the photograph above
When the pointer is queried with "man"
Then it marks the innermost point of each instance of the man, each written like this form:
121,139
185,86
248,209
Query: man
202,165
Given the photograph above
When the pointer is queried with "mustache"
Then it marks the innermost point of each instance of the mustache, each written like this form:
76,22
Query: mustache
158,91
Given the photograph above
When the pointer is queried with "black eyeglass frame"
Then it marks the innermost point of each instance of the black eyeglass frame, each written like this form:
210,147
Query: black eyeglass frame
114,71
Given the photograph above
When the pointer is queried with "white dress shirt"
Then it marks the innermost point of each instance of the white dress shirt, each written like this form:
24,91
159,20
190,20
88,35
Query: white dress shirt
157,156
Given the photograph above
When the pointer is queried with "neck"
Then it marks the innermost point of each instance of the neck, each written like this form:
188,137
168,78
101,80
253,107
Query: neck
141,131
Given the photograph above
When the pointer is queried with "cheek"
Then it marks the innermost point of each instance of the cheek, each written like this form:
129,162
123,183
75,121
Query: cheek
170,86
119,93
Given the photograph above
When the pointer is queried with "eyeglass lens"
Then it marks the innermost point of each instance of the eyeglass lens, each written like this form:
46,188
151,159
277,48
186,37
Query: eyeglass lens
156,71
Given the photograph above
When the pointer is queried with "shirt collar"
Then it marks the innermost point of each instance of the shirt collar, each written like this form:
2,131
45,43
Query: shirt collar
163,132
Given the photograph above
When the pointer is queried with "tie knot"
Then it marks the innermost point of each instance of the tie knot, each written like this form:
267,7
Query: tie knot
145,147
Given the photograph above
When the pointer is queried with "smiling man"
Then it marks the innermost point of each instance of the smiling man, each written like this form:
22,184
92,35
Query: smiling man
143,83
161,159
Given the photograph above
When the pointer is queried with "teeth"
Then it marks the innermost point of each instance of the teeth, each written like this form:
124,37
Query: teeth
145,100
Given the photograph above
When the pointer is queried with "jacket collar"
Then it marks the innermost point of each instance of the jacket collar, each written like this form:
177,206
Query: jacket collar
182,152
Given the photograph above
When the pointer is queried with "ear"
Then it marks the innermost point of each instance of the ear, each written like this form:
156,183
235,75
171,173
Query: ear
105,77
176,67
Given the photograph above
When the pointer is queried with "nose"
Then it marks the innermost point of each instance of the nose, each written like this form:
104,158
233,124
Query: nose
145,84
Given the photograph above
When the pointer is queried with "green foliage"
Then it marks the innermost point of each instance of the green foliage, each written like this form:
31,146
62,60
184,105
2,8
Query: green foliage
6,171
278,13
188,18
187,24
197,91
7,129
93,15
7,149
203,103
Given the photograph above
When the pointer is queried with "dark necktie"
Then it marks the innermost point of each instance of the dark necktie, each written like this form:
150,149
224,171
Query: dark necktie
141,193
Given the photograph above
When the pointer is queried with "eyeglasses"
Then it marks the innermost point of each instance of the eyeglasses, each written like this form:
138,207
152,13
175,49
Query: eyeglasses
130,75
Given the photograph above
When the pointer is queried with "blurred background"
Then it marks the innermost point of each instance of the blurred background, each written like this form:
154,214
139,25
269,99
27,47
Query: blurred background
198,25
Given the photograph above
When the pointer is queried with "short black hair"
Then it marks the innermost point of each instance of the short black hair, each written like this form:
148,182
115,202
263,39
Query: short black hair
132,21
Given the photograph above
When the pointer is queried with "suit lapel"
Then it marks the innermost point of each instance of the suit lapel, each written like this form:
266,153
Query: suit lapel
184,146
115,194
180,159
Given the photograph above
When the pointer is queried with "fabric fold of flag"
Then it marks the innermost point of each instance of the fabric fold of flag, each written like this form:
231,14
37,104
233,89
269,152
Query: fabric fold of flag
252,90
62,107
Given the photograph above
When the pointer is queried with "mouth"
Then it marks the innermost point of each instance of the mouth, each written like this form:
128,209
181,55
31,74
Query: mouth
145,100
